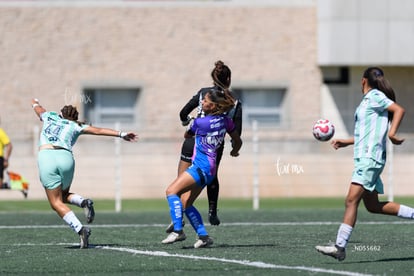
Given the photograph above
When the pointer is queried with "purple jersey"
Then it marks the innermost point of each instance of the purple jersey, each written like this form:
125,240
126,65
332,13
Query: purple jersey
209,135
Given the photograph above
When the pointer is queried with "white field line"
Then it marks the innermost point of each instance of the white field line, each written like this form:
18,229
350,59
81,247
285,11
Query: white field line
256,264
224,260
306,223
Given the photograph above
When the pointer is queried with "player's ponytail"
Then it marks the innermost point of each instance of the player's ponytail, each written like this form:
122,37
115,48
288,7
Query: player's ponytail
221,75
376,79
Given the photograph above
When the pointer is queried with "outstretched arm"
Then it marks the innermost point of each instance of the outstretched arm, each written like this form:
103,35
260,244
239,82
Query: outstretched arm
185,117
127,136
236,143
341,143
238,117
38,109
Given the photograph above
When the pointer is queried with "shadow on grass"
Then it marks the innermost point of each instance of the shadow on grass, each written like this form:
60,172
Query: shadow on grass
93,246
234,246
406,259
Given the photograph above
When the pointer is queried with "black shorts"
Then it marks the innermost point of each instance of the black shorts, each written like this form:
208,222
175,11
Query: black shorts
187,149
1,168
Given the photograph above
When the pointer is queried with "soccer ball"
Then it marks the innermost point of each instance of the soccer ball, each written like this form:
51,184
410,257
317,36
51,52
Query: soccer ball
323,130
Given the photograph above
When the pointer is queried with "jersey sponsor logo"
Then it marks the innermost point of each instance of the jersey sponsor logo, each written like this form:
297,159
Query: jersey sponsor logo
214,138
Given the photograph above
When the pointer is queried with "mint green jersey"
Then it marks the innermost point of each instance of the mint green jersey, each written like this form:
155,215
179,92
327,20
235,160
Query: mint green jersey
59,131
371,126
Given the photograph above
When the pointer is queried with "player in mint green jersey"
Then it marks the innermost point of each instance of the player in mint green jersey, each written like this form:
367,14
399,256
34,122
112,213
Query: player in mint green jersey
56,163
377,117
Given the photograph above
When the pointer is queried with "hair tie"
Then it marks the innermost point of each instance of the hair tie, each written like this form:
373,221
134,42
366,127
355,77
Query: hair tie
378,73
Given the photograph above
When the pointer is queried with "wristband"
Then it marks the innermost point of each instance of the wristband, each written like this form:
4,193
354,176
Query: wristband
189,119
122,134
35,104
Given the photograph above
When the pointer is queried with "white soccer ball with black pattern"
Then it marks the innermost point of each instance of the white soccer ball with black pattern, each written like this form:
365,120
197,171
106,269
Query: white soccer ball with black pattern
323,130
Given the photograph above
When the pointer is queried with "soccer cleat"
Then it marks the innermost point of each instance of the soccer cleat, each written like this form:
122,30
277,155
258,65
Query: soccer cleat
170,227
203,241
88,209
84,234
213,218
332,250
174,237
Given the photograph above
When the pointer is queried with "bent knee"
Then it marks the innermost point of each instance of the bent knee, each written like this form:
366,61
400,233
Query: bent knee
374,208
374,211
53,206
167,193
350,202
56,204
170,191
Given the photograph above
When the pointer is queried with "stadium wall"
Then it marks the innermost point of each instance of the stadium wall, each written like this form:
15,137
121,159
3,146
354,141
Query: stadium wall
51,51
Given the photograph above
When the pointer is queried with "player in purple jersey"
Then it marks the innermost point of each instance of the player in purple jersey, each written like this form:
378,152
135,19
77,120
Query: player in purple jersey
209,132
221,76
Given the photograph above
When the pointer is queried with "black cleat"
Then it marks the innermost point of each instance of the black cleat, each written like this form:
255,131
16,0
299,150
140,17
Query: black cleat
84,234
88,209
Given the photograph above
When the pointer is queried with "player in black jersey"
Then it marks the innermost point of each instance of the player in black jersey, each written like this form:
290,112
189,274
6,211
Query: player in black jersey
221,75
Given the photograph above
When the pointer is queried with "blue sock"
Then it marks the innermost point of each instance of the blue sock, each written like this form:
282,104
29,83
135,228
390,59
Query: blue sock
176,211
196,221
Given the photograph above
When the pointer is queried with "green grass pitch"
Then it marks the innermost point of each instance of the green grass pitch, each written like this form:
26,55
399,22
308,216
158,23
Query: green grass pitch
278,239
